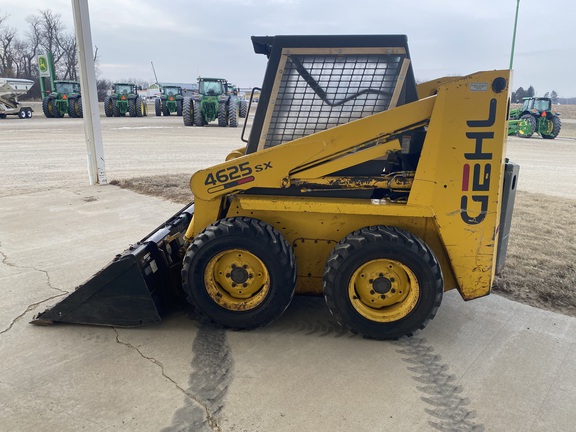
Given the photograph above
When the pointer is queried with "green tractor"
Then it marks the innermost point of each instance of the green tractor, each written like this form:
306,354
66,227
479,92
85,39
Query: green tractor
535,116
210,103
170,101
240,100
124,99
64,99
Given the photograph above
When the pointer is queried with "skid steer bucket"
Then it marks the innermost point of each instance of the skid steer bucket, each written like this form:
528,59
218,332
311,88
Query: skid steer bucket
139,286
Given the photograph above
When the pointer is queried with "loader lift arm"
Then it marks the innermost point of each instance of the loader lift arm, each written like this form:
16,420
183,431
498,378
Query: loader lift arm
305,159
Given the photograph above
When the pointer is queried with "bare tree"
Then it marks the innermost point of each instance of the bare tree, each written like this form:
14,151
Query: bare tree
7,53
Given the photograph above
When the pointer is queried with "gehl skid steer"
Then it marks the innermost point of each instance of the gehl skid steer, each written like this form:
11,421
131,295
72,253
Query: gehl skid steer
355,184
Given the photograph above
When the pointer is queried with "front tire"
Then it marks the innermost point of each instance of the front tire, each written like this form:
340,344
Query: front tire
531,121
239,273
383,283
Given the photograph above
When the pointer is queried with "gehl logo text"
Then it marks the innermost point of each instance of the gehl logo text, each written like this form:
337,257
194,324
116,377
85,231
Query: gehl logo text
476,174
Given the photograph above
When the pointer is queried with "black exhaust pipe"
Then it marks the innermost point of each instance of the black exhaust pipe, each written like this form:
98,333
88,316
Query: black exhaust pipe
140,286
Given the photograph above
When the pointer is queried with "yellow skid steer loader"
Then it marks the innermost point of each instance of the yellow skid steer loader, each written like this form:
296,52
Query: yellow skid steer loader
355,184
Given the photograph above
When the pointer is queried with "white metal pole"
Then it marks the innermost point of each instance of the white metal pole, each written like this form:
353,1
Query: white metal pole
92,129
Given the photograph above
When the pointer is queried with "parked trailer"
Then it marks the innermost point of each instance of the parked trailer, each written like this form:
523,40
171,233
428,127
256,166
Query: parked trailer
10,89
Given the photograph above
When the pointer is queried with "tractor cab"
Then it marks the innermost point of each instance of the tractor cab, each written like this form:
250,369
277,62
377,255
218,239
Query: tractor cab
171,91
537,104
66,87
212,86
124,89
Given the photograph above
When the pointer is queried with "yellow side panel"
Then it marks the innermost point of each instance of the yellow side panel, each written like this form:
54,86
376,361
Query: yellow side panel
313,226
460,174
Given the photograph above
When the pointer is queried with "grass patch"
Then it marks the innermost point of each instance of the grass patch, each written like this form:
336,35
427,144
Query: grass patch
540,269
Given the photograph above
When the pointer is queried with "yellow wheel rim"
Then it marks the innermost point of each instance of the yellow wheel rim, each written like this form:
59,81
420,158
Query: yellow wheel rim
383,290
237,280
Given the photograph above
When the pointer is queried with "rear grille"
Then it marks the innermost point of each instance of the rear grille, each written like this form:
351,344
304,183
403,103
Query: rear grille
317,92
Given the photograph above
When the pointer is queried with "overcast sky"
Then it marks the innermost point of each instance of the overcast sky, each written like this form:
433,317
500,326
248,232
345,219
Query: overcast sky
188,38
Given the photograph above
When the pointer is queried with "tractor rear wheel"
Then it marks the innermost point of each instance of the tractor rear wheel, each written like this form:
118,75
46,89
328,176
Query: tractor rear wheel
71,111
383,283
140,107
45,108
554,127
179,108
132,107
531,121
78,107
239,273
233,113
158,107
75,107
198,118
188,112
243,108
108,106
222,115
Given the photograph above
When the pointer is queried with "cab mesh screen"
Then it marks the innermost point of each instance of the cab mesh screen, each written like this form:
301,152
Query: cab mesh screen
318,92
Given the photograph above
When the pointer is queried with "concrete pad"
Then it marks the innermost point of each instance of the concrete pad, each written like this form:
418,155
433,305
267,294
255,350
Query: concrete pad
490,364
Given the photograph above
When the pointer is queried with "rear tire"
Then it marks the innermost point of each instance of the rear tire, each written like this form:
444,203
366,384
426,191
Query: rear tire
75,107
140,109
188,112
132,103
198,117
22,113
108,106
179,108
243,108
222,115
233,113
45,108
383,283
78,107
239,273
71,111
556,126
158,107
